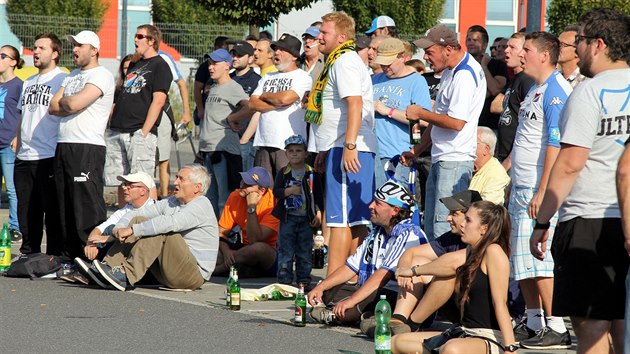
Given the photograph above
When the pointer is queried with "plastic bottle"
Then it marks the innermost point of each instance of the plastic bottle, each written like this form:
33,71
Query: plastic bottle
318,250
382,332
300,308
235,293
5,248
280,295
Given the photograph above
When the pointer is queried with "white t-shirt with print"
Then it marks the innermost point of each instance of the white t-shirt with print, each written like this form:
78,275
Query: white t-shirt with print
88,126
275,126
39,129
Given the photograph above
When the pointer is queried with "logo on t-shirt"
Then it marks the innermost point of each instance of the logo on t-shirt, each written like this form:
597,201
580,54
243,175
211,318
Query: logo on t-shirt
135,82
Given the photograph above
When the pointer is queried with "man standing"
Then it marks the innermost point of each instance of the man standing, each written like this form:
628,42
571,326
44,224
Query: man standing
175,239
372,52
132,138
263,57
279,99
311,61
568,59
536,146
83,102
453,126
382,26
588,246
226,107
509,104
341,114
37,140
374,262
495,72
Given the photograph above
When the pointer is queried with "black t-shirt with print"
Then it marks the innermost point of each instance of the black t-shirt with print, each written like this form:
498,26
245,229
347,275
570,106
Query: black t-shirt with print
514,94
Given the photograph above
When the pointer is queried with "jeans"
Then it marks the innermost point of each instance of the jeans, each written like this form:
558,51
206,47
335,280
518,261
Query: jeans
219,191
248,153
445,179
295,240
7,162
401,174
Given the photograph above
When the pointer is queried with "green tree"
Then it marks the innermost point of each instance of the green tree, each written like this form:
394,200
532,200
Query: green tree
563,13
190,27
28,18
256,13
412,18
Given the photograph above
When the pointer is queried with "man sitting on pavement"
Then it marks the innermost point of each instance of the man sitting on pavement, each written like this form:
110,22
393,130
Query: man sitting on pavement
374,261
489,176
250,209
176,239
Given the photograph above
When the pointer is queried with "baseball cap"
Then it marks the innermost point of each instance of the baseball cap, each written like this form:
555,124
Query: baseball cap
294,140
86,37
380,22
312,31
440,35
288,43
361,42
141,177
242,48
461,200
220,55
393,193
257,176
388,50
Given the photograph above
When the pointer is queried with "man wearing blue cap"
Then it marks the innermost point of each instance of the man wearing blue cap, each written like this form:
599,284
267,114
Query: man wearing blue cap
226,106
383,26
311,60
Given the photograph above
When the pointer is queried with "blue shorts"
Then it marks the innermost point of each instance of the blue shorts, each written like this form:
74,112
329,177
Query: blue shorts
348,195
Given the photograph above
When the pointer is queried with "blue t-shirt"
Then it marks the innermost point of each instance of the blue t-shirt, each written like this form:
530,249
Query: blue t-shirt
9,115
398,93
448,242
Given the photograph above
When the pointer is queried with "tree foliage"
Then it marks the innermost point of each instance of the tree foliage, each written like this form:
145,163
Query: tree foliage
28,18
258,13
563,13
412,17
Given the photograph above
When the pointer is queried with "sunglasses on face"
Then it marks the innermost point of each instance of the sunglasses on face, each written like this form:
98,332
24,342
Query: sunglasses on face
143,36
5,55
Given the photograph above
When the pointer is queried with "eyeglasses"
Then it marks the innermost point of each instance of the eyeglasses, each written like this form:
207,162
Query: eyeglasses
579,38
566,45
143,36
493,48
5,55
131,186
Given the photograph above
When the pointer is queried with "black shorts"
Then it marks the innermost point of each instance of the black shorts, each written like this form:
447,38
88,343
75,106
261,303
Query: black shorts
590,269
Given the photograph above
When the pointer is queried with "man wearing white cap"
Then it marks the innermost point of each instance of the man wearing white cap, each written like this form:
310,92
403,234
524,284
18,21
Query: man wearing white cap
83,103
383,26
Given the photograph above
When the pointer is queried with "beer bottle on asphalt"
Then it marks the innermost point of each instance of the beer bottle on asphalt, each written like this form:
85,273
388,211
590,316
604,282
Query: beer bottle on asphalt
300,308
235,293
228,285
382,332
5,248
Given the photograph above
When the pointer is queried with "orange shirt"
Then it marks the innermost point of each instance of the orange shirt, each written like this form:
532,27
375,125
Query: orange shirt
235,213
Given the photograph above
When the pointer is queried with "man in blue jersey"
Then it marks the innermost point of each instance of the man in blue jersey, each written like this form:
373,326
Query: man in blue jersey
536,146
452,126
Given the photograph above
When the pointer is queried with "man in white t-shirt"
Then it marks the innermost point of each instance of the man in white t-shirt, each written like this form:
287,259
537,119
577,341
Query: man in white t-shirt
279,99
83,103
453,124
341,112
37,140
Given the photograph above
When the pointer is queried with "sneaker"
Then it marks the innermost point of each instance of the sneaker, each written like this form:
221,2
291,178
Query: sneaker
16,236
324,315
522,332
114,275
89,271
547,338
65,271
396,325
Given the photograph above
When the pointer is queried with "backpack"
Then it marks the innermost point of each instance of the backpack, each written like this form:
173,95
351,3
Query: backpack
33,265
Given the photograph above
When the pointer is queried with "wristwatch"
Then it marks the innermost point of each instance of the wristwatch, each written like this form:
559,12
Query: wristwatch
511,348
251,210
350,146
541,226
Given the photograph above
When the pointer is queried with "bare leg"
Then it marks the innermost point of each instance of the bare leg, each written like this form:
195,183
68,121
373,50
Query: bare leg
411,342
435,296
545,289
165,178
407,300
592,335
338,248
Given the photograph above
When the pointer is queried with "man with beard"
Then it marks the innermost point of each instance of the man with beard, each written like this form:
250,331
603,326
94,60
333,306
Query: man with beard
279,99
37,140
83,102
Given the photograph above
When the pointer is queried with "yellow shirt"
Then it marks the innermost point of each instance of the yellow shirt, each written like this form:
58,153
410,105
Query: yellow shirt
490,181
267,70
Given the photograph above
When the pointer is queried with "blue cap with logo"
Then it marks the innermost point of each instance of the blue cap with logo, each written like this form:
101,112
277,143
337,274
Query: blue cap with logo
312,31
257,176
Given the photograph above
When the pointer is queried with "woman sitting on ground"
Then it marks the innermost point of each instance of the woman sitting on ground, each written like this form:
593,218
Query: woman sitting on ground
480,283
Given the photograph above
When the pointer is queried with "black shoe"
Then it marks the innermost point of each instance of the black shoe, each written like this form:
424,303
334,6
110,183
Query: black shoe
522,332
16,236
547,338
114,275
89,271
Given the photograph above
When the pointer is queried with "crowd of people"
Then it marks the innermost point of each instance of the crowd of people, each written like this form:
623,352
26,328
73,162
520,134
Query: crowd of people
513,174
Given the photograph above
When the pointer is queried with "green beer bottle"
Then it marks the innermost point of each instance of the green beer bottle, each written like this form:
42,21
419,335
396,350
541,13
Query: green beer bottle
235,293
5,248
300,308
228,285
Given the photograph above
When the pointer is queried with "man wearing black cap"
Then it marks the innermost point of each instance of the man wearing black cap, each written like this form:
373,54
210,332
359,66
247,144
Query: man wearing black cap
278,98
243,57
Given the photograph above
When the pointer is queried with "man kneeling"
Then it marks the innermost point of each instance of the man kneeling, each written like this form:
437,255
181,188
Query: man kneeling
175,238
374,261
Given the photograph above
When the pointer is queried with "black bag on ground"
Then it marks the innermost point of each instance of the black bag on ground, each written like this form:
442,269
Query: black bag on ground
434,343
33,265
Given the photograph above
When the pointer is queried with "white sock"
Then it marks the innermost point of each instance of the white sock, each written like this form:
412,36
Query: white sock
535,319
556,323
